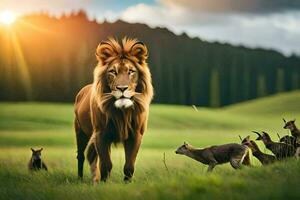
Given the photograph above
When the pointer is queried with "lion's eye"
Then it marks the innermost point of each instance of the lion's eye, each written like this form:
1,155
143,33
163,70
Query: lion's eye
112,72
131,71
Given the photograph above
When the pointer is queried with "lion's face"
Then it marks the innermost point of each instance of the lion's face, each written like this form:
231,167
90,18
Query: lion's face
122,77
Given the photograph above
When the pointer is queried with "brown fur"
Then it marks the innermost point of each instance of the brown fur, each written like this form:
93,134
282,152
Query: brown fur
262,157
279,149
215,155
295,133
97,115
293,128
289,140
247,160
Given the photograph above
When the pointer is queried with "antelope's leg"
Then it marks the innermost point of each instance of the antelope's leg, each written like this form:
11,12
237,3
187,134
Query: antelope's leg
247,160
297,154
211,166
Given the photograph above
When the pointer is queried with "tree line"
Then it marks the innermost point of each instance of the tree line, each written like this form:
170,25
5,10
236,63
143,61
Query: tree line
44,58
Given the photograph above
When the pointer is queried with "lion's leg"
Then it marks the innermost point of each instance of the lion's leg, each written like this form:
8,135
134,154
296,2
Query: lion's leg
81,140
93,159
103,149
131,146
94,170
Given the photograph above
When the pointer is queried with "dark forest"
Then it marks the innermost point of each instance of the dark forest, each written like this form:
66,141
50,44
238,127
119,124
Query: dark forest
46,58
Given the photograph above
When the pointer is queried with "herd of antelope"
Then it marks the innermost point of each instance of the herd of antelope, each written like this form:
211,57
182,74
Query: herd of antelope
238,154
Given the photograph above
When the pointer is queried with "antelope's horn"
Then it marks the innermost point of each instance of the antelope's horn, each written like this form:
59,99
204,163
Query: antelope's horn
240,138
257,133
284,120
278,136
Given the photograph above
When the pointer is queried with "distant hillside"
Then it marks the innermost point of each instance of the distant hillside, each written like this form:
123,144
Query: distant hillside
48,59
284,103
260,114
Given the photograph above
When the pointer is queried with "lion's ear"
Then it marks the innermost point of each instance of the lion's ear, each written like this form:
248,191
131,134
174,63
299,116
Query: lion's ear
103,52
140,51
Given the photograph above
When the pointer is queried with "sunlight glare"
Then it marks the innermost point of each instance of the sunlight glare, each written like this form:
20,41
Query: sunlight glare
7,17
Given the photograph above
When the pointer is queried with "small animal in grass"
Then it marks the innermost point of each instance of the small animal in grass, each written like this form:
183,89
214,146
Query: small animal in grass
289,140
257,153
215,155
279,149
36,163
292,127
295,133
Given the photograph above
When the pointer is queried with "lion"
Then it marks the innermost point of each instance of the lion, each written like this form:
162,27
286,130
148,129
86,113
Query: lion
114,108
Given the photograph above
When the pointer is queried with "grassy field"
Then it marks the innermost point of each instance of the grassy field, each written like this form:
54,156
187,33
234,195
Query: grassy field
25,125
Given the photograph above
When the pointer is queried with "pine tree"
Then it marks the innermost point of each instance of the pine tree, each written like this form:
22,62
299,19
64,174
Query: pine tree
280,80
214,88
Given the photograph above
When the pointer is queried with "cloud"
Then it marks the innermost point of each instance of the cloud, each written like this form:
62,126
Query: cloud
255,23
252,6
53,6
276,30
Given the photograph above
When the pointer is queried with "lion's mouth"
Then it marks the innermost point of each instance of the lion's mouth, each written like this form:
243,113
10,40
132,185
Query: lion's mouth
123,102
123,99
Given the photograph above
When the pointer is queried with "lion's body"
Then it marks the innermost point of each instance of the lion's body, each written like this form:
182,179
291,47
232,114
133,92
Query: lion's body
82,110
114,109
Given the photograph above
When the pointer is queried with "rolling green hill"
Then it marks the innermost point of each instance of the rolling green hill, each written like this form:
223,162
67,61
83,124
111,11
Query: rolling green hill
284,103
263,112
47,125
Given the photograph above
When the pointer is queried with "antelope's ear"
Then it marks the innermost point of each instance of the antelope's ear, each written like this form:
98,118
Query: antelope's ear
139,51
248,138
104,51
32,150
264,133
294,120
41,149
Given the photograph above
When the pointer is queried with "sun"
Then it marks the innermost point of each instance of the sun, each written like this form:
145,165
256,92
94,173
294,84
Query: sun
7,17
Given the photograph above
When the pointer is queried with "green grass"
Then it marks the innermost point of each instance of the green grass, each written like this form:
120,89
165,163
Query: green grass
25,125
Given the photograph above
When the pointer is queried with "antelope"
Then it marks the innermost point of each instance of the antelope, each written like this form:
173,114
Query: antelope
295,133
262,157
279,149
289,140
215,155
35,162
293,128
257,153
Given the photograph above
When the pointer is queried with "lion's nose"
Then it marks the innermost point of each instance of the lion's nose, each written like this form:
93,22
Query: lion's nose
122,88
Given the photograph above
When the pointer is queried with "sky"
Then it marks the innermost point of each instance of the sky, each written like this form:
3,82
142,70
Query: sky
271,24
